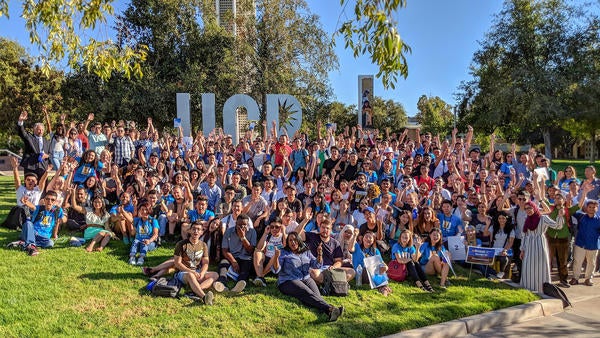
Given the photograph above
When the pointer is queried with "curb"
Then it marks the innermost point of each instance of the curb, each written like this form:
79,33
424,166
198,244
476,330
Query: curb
488,320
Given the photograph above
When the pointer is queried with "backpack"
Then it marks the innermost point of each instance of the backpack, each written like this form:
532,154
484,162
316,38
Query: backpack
15,218
334,283
167,287
555,292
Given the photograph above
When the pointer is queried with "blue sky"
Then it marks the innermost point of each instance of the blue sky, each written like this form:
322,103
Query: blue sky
443,36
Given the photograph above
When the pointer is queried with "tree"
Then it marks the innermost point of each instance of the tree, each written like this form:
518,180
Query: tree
373,31
521,71
388,114
434,115
57,27
290,54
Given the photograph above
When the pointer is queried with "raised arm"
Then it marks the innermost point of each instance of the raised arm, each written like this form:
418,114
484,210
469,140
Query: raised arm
14,163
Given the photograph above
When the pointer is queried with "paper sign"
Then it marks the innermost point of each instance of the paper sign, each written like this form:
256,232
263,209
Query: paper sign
456,246
478,255
376,270
499,251
176,122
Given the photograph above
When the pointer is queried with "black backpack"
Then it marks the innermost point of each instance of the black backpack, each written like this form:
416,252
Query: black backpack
167,288
334,283
555,292
15,218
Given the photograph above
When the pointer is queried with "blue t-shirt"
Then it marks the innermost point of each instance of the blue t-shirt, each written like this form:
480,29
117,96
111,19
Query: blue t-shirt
128,207
84,171
44,221
144,229
397,248
193,215
427,250
449,225
299,157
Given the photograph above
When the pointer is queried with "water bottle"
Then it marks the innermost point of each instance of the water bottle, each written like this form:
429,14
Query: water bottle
359,270
150,285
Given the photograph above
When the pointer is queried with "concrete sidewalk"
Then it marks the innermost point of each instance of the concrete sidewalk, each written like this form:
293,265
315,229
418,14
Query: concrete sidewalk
542,318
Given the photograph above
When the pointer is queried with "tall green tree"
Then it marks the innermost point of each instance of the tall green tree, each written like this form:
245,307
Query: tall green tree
520,79
434,115
388,114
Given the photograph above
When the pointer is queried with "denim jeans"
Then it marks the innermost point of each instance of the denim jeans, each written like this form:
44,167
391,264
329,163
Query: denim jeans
57,158
162,223
138,245
29,235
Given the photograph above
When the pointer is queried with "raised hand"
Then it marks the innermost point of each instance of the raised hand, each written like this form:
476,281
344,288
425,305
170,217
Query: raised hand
23,116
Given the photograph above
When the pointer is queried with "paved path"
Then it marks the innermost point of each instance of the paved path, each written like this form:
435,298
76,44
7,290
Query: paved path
543,318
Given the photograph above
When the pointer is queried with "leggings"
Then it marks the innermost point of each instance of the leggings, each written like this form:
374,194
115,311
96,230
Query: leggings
415,272
306,291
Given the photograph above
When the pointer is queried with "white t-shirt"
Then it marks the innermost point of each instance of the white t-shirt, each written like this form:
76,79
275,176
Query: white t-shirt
33,195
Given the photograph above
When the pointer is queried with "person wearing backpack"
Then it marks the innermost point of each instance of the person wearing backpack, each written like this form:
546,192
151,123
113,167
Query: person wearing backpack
294,280
191,261
42,227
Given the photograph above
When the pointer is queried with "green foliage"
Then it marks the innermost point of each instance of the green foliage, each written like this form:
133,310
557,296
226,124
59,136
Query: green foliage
24,86
522,74
372,30
388,114
56,26
434,115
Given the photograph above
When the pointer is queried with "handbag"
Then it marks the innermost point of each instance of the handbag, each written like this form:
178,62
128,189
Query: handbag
397,271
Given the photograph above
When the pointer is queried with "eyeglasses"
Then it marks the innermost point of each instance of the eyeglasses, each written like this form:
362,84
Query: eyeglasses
522,199
51,199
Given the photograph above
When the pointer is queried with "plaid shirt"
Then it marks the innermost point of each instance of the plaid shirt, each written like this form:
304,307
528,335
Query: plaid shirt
124,150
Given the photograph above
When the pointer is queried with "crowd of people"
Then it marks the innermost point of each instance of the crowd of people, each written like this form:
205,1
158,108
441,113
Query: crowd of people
295,207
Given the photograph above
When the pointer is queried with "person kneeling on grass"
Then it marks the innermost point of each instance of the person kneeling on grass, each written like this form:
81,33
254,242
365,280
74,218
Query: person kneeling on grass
238,246
295,280
264,255
42,226
191,261
146,233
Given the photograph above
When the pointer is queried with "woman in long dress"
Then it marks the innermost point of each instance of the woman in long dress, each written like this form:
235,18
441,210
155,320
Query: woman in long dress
534,247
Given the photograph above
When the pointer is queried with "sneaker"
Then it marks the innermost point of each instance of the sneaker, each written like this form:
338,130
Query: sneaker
147,271
588,282
208,298
341,308
131,260
259,281
500,275
334,314
15,245
239,286
492,277
192,296
219,286
574,281
159,241
32,250
140,261
563,284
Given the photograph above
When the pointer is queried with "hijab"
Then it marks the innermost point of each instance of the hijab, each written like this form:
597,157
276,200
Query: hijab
531,222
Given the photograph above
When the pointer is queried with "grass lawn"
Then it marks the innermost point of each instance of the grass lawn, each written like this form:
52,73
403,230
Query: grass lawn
65,292
579,166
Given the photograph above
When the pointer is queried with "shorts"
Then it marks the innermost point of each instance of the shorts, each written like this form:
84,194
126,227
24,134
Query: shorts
179,275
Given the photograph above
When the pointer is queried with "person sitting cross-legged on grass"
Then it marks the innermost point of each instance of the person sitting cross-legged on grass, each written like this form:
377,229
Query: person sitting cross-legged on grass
264,255
42,226
146,233
191,261
237,246
295,280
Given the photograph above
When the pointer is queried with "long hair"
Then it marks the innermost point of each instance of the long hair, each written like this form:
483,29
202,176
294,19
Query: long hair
409,225
302,247
424,224
508,227
437,245
103,208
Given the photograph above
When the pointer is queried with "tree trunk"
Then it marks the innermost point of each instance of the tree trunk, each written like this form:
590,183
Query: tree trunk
547,143
593,148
